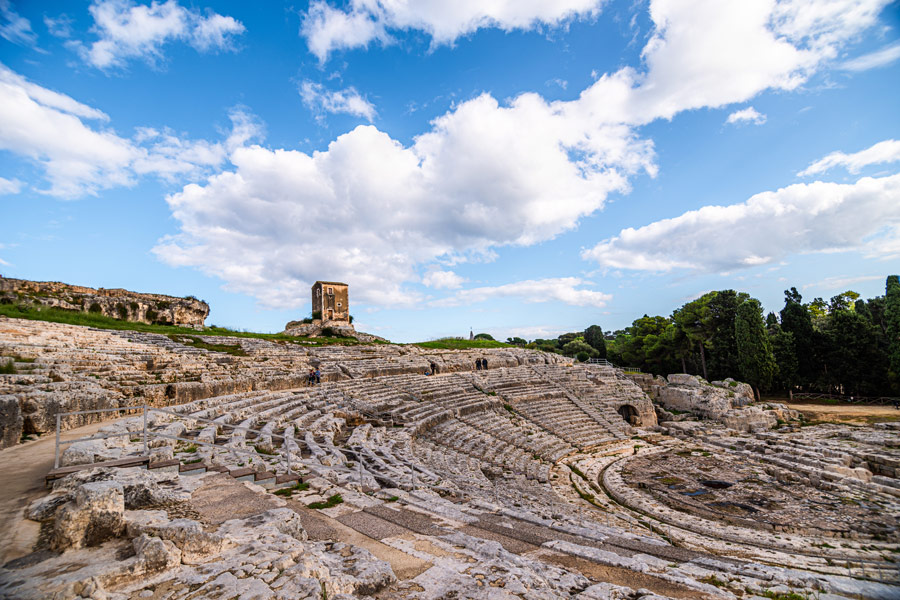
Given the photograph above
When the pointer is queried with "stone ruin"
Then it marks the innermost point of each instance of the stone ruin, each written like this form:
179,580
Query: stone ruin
536,478
113,303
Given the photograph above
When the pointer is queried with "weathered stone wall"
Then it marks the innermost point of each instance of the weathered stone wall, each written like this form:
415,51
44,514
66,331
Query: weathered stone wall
115,303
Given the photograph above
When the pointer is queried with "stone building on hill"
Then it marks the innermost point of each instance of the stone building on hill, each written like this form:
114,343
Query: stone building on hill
330,301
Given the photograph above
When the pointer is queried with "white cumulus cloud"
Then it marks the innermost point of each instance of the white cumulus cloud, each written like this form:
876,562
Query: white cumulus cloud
81,158
487,174
560,289
801,218
747,115
887,151
327,28
439,279
127,30
321,100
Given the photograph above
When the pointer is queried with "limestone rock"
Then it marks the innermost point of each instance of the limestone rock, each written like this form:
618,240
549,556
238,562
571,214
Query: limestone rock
113,303
684,379
11,421
94,515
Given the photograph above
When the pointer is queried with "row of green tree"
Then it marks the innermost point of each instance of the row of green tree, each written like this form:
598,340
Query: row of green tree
848,345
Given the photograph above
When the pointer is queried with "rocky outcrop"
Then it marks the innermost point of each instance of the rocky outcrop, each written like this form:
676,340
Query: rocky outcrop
726,402
325,328
115,303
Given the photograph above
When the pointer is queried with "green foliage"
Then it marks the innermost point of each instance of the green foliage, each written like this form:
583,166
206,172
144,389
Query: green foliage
593,336
95,308
582,357
754,354
516,341
892,329
484,336
317,314
577,347
460,344
122,310
331,501
8,367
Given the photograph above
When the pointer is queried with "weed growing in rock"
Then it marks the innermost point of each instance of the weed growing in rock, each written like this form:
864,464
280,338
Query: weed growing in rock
332,501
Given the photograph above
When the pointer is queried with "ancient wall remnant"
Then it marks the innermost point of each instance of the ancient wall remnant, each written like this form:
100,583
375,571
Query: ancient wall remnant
115,303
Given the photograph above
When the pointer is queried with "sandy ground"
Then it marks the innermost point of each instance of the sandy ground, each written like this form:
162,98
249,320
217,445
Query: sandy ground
846,413
22,471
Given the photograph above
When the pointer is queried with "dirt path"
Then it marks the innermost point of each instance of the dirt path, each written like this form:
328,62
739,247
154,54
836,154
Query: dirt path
22,471
846,413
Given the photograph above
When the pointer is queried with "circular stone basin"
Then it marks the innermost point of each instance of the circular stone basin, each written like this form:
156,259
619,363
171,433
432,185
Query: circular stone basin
716,484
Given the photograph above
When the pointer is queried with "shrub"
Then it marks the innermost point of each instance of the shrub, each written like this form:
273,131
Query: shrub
583,356
317,314
484,336
8,367
151,315
122,310
95,308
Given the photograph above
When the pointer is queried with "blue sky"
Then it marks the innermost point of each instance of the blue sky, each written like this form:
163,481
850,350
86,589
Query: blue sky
525,169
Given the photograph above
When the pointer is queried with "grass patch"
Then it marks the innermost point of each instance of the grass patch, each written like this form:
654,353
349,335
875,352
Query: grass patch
8,368
192,461
509,407
266,452
332,501
190,448
787,595
713,580
297,487
232,349
578,472
87,319
461,344
392,499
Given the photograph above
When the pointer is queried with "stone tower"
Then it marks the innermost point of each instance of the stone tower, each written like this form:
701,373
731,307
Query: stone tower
330,301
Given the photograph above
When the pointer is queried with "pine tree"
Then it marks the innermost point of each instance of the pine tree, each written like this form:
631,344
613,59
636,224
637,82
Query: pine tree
593,335
757,363
892,329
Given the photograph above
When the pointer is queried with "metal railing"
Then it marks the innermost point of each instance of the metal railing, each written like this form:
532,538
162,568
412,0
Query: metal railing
146,433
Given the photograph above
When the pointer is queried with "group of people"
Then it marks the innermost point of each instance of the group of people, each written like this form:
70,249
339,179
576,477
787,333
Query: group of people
481,364
314,377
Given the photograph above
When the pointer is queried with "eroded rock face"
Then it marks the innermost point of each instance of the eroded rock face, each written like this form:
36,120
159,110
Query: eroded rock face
685,393
11,421
94,515
114,303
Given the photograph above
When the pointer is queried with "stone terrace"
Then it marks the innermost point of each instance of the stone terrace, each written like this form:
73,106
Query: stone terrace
522,481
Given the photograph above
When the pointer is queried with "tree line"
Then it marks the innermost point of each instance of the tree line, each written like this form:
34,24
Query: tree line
847,345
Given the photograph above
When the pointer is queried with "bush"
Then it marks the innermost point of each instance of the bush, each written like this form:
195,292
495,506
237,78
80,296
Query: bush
583,356
151,315
95,308
484,336
122,310
317,314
